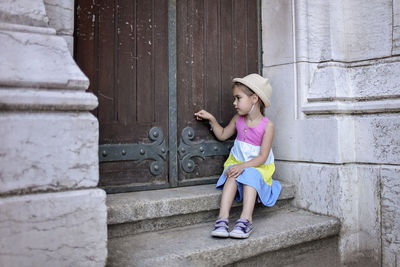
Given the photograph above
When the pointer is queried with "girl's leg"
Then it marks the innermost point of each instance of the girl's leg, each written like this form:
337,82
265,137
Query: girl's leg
228,194
249,199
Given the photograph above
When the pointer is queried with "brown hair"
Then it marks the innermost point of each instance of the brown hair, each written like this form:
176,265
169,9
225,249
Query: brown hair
250,92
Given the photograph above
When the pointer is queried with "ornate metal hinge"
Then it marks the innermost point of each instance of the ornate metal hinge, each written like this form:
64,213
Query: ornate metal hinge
156,151
188,149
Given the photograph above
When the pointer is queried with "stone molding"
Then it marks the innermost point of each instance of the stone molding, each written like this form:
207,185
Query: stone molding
46,99
26,28
38,61
331,76
344,107
365,87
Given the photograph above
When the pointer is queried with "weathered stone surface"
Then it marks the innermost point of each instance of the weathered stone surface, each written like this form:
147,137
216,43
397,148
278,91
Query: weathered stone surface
37,99
326,112
137,212
61,15
352,107
367,29
360,208
378,139
54,229
312,29
317,185
48,151
367,80
295,136
343,30
136,206
390,216
38,60
180,220
277,24
316,253
28,12
350,192
70,42
193,245
396,27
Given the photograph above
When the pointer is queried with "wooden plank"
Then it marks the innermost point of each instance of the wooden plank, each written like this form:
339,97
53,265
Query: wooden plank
212,75
126,61
106,64
160,56
198,52
145,85
198,49
226,60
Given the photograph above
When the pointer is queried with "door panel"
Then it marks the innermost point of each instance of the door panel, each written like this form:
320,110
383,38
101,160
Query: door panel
122,46
214,45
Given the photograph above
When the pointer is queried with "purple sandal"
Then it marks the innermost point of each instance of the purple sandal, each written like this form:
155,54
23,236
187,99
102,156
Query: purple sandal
242,229
221,228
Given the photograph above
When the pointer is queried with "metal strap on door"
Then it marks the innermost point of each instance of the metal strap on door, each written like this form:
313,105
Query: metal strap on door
157,150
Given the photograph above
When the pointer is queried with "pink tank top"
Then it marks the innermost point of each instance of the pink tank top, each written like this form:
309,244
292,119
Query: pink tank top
251,135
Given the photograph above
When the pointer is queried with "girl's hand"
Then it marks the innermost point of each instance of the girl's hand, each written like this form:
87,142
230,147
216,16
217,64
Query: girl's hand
234,171
202,114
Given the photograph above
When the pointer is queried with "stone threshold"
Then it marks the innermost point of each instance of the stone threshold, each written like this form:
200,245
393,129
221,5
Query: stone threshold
193,245
145,205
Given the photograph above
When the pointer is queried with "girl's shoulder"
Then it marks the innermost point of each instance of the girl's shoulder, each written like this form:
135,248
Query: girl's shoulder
267,120
236,118
233,121
269,125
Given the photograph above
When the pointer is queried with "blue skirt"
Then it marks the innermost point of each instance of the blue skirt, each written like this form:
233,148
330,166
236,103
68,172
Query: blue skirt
267,195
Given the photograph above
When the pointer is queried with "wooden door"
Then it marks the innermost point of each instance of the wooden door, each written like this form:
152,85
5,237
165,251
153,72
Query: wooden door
125,48
216,41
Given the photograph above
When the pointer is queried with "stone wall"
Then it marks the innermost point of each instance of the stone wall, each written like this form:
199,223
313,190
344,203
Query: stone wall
51,213
335,71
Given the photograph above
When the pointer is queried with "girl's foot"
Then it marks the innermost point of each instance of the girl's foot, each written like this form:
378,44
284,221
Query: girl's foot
221,228
242,229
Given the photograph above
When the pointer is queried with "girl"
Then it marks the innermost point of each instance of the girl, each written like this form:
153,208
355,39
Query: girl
250,165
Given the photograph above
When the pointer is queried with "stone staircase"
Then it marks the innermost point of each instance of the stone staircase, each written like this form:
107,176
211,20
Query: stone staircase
171,227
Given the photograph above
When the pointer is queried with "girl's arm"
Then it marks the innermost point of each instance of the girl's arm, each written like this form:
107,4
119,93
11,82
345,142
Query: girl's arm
266,144
220,132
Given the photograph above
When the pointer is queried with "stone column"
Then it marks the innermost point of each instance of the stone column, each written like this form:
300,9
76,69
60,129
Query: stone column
51,213
335,70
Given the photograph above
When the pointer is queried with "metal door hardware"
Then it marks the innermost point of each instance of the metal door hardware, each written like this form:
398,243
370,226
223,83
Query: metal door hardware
188,149
156,151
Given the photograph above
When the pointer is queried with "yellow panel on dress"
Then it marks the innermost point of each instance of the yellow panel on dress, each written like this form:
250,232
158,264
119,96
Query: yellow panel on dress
266,170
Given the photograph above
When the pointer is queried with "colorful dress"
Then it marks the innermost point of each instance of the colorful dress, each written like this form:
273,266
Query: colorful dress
246,147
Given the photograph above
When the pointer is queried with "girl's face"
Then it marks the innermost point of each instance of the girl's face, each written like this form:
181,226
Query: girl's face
242,102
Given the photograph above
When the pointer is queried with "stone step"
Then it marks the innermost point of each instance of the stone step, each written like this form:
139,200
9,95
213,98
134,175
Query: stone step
136,212
193,245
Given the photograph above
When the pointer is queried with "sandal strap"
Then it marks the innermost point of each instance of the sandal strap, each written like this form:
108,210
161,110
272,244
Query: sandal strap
241,225
222,223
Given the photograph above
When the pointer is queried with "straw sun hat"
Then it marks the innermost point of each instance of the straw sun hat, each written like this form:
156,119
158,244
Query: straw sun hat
259,85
